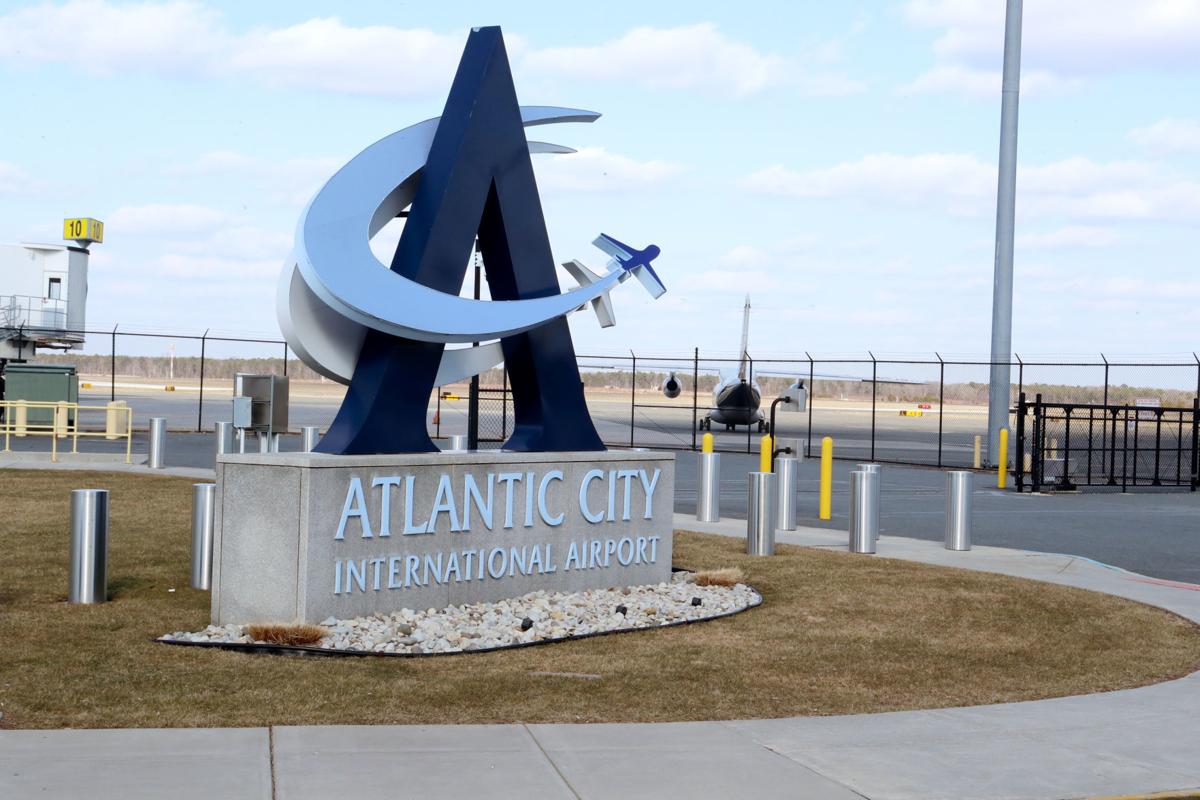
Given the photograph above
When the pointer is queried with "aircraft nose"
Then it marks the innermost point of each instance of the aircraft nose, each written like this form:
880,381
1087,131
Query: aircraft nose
652,252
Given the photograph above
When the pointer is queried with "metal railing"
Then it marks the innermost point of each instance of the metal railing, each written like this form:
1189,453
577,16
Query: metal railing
20,311
1064,446
65,424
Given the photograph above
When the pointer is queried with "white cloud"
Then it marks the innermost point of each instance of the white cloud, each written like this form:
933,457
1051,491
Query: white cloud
1063,41
940,175
12,178
160,219
236,271
731,280
1169,136
243,242
327,54
1069,237
292,181
698,57
963,184
959,79
103,37
185,38
593,169
1068,36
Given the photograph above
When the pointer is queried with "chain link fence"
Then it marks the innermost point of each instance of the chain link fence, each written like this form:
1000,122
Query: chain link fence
924,411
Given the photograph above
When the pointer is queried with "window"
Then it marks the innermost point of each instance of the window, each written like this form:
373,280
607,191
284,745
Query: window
54,290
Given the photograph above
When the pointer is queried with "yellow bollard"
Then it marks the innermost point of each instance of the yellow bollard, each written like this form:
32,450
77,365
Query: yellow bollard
1002,460
706,443
766,447
977,456
826,478
22,419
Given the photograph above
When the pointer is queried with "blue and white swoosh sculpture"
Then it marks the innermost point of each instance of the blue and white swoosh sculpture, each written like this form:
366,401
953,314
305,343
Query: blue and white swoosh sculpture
333,288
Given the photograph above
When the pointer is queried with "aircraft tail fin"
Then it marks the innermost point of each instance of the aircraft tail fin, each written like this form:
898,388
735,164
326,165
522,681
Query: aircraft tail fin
744,352
602,305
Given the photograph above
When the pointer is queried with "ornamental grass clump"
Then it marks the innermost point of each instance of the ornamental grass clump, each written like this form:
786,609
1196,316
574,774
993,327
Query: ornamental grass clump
286,634
729,576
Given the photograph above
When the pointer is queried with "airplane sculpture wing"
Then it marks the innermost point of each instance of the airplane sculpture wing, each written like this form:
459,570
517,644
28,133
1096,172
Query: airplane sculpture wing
634,262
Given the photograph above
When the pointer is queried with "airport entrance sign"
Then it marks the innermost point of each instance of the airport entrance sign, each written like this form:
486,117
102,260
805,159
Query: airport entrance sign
304,537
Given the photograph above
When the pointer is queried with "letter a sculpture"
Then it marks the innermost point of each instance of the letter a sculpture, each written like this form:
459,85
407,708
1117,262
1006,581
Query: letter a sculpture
466,174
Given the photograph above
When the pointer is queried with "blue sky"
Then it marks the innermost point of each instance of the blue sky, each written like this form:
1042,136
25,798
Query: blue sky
834,160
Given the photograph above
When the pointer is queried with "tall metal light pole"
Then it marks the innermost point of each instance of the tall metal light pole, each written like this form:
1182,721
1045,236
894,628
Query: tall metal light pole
1006,196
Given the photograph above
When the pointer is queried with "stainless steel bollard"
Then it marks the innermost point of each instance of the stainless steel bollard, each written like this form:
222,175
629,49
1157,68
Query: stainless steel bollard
276,440
458,443
864,511
876,469
264,442
158,442
787,471
89,546
204,506
310,435
223,431
708,488
761,514
959,484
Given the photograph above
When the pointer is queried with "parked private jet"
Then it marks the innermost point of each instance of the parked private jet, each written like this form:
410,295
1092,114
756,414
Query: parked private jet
737,397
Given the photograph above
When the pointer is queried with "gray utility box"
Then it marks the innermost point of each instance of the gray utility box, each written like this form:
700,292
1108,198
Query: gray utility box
260,403
798,396
41,383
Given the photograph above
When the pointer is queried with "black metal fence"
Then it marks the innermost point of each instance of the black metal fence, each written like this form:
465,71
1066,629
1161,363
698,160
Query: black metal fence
1067,445
924,411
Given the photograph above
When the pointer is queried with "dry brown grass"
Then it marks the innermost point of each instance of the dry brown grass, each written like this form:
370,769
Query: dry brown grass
295,635
729,576
837,634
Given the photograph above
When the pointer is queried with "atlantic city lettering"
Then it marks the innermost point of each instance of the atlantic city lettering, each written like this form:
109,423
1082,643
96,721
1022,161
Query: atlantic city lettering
381,507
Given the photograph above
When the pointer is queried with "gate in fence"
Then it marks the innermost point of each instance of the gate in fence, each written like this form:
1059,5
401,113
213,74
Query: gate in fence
1066,445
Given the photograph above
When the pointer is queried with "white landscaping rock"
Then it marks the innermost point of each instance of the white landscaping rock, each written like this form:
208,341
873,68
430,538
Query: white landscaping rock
478,626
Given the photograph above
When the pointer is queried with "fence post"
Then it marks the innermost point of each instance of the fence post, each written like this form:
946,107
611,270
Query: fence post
812,395
632,395
1019,453
285,358
200,405
1020,373
695,393
749,428
1195,441
1112,449
874,392
941,401
112,389
1157,445
1036,445
504,403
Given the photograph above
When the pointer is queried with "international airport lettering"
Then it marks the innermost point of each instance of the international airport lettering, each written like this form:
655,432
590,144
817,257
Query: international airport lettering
385,506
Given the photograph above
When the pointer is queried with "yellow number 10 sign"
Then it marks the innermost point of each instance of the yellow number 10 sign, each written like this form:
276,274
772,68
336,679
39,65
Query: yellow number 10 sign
83,228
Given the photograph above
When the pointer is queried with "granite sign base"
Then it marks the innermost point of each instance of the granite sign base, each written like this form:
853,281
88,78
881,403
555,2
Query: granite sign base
304,537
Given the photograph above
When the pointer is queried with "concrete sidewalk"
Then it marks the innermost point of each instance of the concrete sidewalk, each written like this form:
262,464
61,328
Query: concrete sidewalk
1138,740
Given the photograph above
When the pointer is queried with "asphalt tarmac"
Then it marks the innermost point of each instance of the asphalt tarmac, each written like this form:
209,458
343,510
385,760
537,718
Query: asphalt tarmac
1154,533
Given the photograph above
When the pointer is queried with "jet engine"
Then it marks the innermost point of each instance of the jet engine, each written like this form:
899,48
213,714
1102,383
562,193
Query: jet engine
671,387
